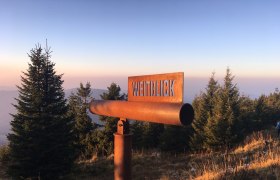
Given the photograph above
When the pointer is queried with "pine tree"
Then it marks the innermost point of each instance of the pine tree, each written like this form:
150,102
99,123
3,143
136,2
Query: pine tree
41,141
174,138
137,129
79,103
222,128
262,115
248,121
151,134
273,103
106,137
204,107
199,123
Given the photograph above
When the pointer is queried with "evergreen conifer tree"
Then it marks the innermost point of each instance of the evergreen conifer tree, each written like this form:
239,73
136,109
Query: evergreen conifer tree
174,138
248,121
222,127
273,103
204,107
106,137
41,138
79,103
197,133
137,129
151,134
262,114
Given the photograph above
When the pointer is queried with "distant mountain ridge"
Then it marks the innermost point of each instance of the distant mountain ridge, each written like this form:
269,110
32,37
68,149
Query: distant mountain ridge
95,92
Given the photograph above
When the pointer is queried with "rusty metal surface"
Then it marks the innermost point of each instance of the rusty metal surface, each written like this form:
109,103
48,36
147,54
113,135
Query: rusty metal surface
156,88
122,151
123,126
165,113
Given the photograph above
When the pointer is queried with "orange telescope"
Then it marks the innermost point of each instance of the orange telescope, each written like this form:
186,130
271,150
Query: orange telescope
165,113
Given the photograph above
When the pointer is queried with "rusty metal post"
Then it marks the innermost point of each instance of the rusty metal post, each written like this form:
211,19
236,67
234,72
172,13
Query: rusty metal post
122,151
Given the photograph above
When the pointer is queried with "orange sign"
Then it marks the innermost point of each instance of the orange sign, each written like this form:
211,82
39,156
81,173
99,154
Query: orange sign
156,88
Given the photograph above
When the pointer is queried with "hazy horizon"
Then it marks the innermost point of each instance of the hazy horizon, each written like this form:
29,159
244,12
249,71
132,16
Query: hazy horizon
249,86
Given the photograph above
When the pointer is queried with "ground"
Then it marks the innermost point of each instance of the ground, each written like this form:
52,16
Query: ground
257,158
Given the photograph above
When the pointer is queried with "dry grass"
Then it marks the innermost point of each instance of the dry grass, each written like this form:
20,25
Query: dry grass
94,169
255,141
257,158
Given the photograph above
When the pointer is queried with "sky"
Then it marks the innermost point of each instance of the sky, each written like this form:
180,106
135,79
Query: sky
107,41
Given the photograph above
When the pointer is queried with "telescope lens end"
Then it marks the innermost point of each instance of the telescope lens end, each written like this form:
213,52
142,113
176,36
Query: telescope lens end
186,114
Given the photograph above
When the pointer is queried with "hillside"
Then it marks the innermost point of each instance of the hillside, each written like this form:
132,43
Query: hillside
257,158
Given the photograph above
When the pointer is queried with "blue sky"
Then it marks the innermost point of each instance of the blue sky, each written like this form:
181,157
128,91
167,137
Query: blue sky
115,39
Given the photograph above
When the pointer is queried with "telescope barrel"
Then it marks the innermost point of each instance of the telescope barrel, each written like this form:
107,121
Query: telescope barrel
165,113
